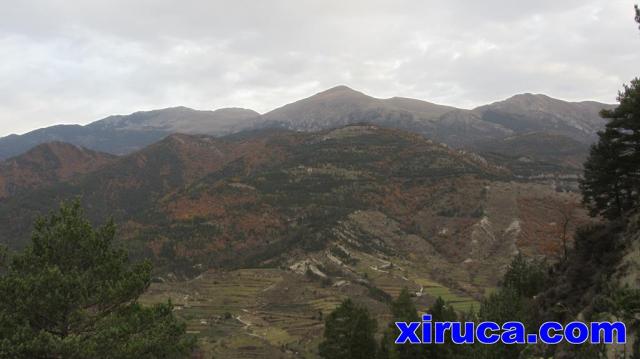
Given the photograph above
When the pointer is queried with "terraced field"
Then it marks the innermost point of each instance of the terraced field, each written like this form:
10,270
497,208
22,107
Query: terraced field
392,278
250,313
277,313
459,302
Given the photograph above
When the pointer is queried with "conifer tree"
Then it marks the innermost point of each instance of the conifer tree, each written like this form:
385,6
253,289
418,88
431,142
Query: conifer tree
611,183
526,278
442,312
512,301
403,310
349,333
69,294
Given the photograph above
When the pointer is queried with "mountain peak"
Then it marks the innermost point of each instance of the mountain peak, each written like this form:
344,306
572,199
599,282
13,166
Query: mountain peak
524,99
339,88
341,91
529,95
327,109
532,97
537,99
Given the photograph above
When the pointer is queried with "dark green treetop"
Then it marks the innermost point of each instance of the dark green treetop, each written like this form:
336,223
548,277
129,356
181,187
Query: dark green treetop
349,333
526,277
70,294
403,310
611,183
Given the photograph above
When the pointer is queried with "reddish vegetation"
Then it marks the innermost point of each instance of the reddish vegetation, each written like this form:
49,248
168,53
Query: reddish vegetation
207,205
261,196
257,153
47,164
543,223
225,209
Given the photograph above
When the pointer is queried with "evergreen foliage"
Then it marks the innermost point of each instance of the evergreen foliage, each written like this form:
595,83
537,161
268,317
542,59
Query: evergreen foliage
349,333
403,310
442,312
611,184
512,301
526,278
70,294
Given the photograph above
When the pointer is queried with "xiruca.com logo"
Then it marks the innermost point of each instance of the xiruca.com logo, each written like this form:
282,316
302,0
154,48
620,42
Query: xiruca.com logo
428,332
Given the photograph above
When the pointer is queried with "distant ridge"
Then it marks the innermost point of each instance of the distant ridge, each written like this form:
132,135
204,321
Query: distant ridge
332,108
535,112
122,134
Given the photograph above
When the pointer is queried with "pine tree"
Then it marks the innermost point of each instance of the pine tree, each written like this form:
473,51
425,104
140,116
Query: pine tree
69,294
403,310
385,350
442,312
526,278
512,301
611,184
349,333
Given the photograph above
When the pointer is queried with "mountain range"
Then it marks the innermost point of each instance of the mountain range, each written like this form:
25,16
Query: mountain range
256,235
266,197
520,115
271,227
124,134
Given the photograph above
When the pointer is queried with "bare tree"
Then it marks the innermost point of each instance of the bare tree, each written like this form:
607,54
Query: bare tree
566,215
637,15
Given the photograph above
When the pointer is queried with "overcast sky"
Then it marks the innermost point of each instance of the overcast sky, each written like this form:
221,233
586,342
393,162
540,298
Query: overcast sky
76,61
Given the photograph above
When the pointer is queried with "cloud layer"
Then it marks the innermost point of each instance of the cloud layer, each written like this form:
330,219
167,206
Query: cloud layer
75,61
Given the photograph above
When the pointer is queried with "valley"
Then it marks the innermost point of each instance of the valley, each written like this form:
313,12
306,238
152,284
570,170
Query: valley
256,236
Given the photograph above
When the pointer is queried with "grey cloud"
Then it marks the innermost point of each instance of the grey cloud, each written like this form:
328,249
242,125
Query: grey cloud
72,61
